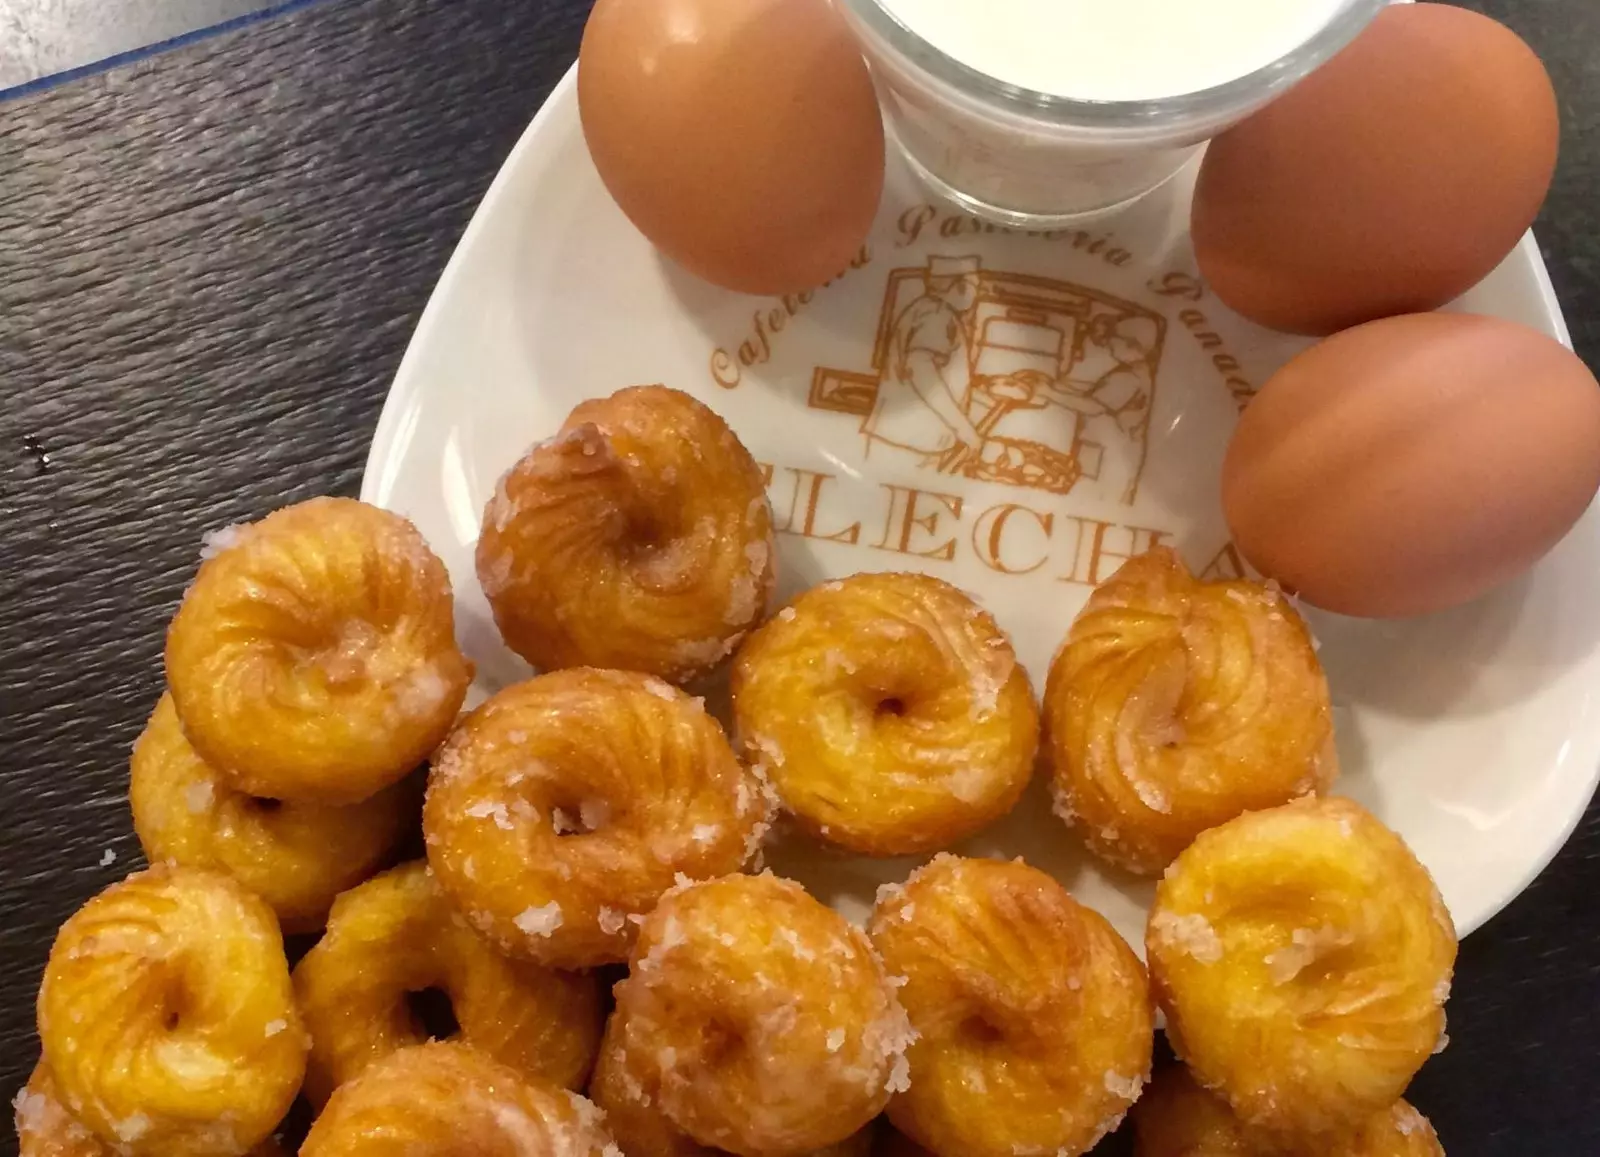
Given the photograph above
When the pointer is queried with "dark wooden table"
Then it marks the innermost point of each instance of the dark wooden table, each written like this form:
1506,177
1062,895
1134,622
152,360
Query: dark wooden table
210,264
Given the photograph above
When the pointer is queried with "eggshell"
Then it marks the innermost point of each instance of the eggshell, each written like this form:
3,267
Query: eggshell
742,137
1411,464
1391,180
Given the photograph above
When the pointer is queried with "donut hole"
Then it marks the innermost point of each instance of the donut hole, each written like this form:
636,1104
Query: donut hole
980,1030
720,1043
174,1006
345,657
433,1010
579,816
264,806
891,705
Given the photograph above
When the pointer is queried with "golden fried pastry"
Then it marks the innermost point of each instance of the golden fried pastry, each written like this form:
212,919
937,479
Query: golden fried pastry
314,658
569,803
1177,1118
450,1100
1398,1131
295,856
628,1087
770,1023
1033,1017
890,712
168,1019
639,537
1175,705
45,1128
397,935
1303,958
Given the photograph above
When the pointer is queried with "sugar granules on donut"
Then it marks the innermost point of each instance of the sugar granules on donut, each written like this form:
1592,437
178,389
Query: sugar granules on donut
489,809
214,542
542,921
1191,933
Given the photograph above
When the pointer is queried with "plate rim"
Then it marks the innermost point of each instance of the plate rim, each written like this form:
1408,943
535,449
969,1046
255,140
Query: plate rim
405,386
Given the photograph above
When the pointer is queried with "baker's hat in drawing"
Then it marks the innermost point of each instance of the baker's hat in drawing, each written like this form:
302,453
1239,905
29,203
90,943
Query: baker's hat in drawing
940,268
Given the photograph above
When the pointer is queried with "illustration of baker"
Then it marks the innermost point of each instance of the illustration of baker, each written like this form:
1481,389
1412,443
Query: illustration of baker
922,401
1009,378
1117,417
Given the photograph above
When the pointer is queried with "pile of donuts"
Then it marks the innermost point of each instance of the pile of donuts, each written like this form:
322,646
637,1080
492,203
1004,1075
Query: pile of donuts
597,816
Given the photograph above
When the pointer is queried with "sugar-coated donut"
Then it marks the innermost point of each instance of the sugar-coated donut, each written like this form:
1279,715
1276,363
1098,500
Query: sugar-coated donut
1033,1017
397,935
889,711
450,1100
1177,1118
315,658
295,856
46,1128
1398,1131
1303,958
770,1023
639,537
1175,705
167,1016
628,1087
567,804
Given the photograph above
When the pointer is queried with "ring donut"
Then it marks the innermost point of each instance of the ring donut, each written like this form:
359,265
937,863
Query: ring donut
628,1088
1175,705
314,658
771,1024
45,1127
889,711
638,538
297,857
449,1100
395,936
1033,1017
1177,1118
167,1016
1303,958
566,805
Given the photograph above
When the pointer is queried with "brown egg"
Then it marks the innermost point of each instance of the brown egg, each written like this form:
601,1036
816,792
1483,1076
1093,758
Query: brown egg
1413,463
742,137
1390,181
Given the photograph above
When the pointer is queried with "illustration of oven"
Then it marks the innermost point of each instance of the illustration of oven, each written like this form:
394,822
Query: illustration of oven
1025,336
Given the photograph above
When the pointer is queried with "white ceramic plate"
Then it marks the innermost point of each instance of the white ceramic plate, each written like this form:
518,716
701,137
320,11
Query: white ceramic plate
1475,734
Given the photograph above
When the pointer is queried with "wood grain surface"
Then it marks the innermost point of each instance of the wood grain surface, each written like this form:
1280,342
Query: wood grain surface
210,264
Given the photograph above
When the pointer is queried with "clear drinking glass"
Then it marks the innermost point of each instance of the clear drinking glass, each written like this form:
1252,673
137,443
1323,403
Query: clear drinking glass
1034,160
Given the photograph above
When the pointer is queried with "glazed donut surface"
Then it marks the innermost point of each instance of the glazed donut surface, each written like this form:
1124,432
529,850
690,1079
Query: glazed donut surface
889,711
627,1086
1177,1118
1303,958
638,538
46,1128
397,935
314,658
1033,1017
167,1016
567,804
449,1100
772,1025
1175,705
297,857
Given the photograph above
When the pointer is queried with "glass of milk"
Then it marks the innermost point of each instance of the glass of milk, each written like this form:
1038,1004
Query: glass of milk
1036,113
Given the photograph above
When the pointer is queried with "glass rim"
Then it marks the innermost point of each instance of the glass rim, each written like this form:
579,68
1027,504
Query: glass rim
1288,69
